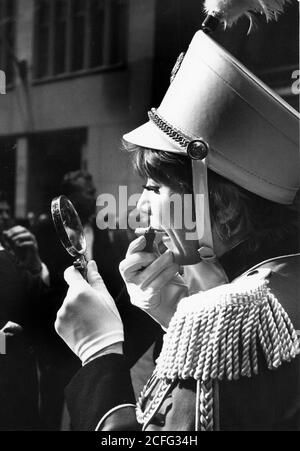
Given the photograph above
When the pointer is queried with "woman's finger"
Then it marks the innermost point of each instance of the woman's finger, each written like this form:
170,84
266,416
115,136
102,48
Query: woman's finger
154,269
136,246
134,263
163,278
93,276
74,279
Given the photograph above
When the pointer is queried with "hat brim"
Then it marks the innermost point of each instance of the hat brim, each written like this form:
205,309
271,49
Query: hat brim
149,136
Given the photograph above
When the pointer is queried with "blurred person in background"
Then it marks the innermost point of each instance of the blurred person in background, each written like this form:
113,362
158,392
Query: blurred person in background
5,212
23,307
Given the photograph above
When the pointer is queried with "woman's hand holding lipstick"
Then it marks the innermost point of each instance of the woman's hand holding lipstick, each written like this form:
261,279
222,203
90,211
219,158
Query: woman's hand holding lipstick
152,281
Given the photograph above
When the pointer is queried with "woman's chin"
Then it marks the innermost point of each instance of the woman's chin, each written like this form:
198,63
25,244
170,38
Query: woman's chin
188,256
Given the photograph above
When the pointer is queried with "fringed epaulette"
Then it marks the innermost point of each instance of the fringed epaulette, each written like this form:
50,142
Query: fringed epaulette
215,335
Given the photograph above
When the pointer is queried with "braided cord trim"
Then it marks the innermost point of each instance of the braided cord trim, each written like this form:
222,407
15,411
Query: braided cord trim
173,132
206,406
143,415
215,335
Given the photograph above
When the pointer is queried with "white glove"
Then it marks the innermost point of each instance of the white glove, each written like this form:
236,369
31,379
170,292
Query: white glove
88,320
152,282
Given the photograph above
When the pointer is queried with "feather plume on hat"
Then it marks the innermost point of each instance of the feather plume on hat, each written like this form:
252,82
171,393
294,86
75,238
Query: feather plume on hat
229,11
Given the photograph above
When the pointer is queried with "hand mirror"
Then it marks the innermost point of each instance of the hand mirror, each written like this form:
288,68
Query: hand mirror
70,231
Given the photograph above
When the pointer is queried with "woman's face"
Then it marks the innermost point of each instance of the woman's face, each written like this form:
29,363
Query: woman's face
167,213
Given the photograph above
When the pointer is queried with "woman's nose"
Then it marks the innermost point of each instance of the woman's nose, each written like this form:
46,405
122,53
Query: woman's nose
143,204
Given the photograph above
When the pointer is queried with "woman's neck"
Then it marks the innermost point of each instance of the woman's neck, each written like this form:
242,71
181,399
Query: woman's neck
221,247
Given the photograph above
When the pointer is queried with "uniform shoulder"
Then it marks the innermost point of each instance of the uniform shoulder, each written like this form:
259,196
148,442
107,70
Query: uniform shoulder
285,265
283,277
230,323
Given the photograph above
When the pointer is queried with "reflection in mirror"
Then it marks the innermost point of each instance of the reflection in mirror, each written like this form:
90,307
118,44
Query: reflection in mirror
70,230
72,225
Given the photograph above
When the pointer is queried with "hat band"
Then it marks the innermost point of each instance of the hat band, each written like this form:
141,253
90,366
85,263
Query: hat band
197,149
173,133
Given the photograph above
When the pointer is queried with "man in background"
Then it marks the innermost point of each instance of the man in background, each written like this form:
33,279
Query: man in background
23,296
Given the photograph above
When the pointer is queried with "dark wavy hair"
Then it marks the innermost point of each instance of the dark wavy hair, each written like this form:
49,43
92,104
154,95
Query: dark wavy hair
75,181
237,214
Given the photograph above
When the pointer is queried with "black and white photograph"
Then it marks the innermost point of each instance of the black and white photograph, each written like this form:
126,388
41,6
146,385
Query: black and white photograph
149,218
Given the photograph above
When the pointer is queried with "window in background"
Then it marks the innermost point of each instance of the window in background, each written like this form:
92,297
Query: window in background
75,36
7,38
60,36
61,153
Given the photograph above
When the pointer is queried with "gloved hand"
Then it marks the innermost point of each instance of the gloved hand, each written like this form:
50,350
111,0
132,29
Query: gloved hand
152,282
88,320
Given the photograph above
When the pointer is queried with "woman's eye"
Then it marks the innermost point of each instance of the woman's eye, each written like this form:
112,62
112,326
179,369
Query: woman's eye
153,188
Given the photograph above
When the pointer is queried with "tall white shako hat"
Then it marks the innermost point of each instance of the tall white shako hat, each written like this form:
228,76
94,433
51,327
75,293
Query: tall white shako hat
221,116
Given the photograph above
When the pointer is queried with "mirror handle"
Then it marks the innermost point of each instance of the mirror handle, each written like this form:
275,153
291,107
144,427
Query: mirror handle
81,265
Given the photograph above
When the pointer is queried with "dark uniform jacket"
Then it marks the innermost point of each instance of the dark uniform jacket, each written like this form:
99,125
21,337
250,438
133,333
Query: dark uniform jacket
100,397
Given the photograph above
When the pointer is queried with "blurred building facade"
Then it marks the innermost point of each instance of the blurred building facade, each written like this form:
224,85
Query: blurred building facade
78,76
80,73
